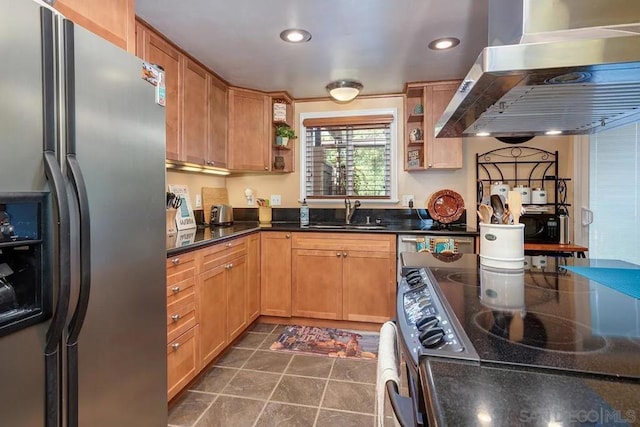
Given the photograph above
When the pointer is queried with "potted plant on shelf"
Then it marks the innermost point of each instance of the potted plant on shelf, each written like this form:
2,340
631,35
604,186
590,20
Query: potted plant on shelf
283,134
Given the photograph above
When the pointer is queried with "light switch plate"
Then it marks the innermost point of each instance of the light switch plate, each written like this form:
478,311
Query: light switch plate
198,202
276,200
406,198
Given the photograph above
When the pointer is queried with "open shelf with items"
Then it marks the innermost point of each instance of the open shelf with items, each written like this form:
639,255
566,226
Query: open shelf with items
532,168
424,104
282,156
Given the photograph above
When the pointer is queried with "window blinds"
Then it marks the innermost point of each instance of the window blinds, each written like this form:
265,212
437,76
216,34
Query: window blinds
348,156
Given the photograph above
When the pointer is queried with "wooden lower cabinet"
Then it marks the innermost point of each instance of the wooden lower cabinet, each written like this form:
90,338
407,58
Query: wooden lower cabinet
236,278
182,361
212,313
253,278
317,284
275,273
343,276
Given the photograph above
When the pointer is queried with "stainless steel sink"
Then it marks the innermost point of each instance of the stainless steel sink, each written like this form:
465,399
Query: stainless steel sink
348,226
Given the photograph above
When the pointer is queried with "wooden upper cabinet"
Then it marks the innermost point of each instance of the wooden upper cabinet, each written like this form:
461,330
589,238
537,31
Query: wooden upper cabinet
441,153
113,20
194,112
154,49
217,114
249,146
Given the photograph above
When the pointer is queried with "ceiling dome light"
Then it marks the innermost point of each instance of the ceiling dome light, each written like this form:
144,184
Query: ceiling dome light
444,43
344,90
293,35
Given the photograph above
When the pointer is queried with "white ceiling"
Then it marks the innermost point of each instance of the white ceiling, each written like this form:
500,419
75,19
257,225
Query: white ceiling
382,43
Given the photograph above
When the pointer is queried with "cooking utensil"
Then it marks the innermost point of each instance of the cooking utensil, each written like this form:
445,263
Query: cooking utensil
498,209
485,212
514,200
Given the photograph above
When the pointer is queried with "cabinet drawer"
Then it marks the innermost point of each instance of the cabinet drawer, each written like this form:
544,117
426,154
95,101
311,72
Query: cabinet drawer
218,254
181,361
180,290
181,267
345,241
181,316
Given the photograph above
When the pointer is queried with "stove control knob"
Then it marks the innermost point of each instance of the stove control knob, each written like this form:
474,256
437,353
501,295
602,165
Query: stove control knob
432,338
427,322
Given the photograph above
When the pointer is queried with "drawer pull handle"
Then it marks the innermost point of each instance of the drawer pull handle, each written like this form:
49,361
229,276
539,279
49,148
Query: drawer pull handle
229,266
229,245
288,236
175,345
175,261
175,317
175,289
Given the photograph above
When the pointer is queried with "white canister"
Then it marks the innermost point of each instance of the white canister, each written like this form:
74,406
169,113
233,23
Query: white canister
500,189
502,246
538,196
525,192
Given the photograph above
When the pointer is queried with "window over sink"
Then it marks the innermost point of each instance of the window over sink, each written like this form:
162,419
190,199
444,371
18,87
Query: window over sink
349,154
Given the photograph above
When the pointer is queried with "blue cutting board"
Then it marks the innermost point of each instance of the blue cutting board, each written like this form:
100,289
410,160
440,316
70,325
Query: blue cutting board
625,280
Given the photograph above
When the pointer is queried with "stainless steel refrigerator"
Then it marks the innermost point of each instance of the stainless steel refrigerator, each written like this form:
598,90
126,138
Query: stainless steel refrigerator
82,233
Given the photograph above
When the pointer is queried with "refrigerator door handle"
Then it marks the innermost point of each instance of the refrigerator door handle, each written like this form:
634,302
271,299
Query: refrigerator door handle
75,176
58,191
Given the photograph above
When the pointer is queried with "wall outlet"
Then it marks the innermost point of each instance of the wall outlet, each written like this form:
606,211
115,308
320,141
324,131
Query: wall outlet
406,198
276,200
198,202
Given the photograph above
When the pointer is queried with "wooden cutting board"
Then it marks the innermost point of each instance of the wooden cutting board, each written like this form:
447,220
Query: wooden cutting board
213,196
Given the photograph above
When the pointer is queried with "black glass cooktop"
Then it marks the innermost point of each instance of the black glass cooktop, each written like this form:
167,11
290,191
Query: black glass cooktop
543,316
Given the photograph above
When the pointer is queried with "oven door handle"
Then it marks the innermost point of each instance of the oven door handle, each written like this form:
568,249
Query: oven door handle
410,239
402,406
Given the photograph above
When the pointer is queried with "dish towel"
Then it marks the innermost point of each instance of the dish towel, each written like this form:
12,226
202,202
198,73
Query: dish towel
388,368
625,280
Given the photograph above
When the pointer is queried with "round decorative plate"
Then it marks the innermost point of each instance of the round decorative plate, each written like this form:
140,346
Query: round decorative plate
445,206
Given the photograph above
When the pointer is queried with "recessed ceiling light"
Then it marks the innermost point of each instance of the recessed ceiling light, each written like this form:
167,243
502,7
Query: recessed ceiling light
483,134
553,132
294,35
444,43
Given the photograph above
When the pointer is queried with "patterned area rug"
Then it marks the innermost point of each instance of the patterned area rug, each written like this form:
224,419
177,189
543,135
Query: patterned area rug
328,342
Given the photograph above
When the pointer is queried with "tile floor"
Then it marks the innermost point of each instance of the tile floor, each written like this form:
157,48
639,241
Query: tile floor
251,385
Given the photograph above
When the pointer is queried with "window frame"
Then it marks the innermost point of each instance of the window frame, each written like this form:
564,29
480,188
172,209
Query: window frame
393,157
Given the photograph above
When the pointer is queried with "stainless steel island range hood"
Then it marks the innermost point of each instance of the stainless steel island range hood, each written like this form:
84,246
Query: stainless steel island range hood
552,67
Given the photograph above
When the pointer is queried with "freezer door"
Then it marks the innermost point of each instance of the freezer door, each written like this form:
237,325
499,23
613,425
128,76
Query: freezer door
120,143
22,377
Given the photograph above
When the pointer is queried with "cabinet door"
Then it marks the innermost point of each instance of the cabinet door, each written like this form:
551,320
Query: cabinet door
217,115
442,153
182,363
317,284
212,313
252,300
236,295
154,49
194,112
368,280
249,145
113,20
275,274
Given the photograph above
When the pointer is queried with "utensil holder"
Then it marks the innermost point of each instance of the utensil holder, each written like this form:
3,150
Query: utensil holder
264,214
502,246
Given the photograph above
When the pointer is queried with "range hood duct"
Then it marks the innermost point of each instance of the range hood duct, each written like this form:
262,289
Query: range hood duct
563,65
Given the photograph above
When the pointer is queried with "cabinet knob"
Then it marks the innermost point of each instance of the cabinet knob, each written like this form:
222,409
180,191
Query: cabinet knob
344,254
266,168
338,254
175,317
175,261
288,236
229,245
429,165
229,266
175,289
175,345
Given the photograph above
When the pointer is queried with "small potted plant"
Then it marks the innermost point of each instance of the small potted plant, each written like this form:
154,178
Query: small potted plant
283,134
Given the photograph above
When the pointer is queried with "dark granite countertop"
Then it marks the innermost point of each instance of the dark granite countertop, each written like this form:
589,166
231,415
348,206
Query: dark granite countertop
189,240
468,394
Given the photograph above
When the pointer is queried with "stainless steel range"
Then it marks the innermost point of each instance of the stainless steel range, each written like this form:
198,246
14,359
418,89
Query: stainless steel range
540,332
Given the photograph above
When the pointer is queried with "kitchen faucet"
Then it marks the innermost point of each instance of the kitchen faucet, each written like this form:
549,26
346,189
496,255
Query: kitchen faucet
348,211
